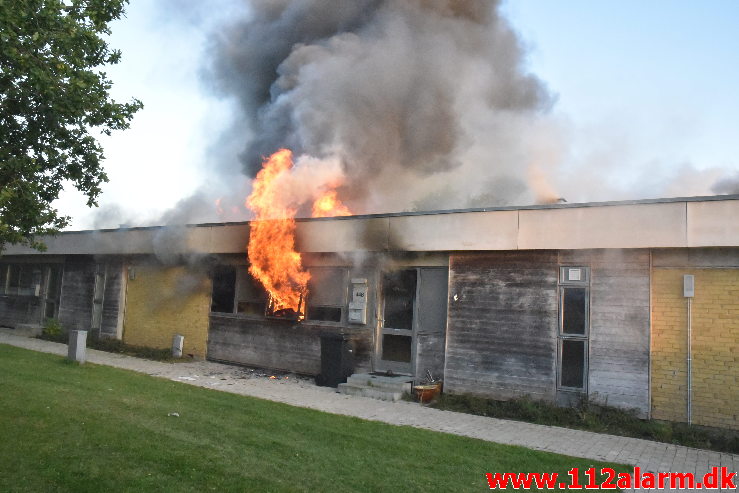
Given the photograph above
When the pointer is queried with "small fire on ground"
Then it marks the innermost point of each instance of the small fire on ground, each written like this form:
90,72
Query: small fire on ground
273,260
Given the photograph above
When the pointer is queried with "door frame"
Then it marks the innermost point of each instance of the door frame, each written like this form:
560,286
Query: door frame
380,329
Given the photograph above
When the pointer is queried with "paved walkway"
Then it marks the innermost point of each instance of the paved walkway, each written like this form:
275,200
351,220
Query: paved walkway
649,456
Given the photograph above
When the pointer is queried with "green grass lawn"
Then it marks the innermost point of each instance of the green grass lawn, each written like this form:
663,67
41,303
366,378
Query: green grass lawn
66,427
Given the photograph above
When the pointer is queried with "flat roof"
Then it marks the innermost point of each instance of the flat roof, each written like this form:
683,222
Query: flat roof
664,222
558,205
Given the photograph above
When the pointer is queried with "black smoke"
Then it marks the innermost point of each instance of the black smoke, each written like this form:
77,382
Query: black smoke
413,98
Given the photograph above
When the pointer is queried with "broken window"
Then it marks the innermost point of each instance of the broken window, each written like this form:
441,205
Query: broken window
573,327
224,289
326,294
251,298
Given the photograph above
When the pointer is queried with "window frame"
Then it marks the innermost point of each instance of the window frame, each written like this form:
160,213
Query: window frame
30,279
213,290
344,302
242,272
563,284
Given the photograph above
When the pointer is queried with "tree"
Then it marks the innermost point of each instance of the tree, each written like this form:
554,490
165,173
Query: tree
53,97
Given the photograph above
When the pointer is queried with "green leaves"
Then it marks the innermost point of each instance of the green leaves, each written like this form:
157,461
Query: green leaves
54,99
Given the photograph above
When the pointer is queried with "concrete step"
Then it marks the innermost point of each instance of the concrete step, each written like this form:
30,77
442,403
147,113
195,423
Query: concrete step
390,384
372,392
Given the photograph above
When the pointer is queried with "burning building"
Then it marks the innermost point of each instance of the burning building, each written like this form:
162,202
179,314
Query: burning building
633,304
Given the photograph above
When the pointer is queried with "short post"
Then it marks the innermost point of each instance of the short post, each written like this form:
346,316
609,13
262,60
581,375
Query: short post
77,346
177,342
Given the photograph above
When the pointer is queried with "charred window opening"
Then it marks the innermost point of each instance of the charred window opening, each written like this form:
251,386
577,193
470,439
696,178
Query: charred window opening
285,313
574,292
251,298
326,295
224,289
236,291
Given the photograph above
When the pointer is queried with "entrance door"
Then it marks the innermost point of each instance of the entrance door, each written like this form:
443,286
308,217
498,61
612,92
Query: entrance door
397,323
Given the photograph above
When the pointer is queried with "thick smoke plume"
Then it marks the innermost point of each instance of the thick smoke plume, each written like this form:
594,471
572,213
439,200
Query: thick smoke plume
425,104
727,186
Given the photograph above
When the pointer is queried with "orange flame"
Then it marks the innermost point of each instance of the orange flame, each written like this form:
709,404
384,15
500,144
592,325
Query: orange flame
329,205
272,256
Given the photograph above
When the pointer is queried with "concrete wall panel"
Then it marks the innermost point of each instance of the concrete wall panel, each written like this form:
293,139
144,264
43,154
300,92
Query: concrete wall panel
714,223
342,235
617,226
495,230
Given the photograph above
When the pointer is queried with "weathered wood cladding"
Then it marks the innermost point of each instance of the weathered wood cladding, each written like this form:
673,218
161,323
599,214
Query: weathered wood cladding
20,310
618,373
504,323
78,284
502,326
112,300
279,344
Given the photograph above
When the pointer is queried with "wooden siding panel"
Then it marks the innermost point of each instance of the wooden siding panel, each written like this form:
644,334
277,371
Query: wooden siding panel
619,326
112,298
75,305
501,336
20,310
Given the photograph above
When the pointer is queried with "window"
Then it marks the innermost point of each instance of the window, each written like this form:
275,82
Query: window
574,309
236,291
574,324
326,294
21,279
251,298
224,289
14,279
42,281
53,291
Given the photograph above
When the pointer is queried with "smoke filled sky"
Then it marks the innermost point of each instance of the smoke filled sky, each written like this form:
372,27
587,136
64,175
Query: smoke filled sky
419,105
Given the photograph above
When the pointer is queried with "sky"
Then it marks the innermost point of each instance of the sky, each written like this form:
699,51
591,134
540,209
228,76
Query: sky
645,105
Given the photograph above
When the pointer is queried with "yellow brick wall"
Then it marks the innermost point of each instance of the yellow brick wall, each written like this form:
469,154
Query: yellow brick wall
715,310
164,301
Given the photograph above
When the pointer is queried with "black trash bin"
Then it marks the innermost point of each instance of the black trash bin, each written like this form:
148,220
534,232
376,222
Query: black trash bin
337,359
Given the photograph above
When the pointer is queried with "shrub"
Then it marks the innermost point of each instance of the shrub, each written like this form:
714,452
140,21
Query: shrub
52,327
